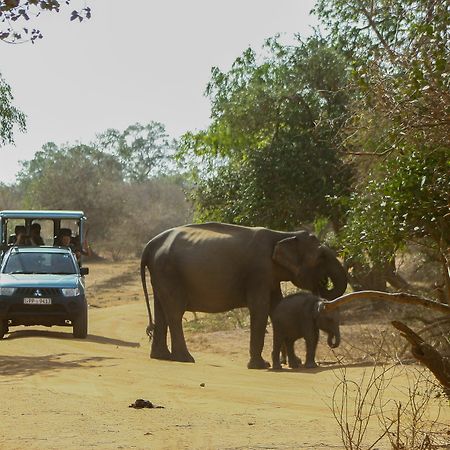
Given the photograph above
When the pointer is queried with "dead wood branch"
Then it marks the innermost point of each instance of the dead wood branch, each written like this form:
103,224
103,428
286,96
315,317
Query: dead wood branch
399,297
427,355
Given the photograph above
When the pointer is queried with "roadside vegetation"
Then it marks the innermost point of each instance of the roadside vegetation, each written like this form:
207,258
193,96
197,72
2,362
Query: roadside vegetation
344,133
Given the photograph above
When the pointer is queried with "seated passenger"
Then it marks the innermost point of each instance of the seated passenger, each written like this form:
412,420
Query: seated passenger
35,234
18,230
23,239
65,239
85,249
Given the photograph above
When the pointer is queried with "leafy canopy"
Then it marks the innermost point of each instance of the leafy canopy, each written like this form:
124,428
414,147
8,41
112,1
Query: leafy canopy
17,11
10,116
270,155
72,177
400,120
142,150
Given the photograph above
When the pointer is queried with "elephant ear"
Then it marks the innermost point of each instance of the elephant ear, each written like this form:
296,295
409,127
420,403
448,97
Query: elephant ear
286,254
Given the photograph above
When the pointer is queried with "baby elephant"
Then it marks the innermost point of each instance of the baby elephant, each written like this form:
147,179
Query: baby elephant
298,316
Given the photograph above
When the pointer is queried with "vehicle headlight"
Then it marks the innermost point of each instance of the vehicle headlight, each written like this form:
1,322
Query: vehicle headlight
7,290
70,292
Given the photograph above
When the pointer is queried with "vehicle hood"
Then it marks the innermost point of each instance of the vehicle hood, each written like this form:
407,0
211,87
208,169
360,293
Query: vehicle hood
44,280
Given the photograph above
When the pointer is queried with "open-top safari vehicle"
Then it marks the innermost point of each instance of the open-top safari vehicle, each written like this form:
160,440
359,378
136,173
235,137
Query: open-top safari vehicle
41,273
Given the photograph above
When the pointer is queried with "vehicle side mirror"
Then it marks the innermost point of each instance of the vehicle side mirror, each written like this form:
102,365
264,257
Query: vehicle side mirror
84,271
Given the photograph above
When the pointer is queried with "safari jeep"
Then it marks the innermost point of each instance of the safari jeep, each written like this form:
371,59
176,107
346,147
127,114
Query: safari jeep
42,283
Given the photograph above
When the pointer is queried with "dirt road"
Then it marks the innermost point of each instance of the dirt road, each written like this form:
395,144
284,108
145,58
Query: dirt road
61,393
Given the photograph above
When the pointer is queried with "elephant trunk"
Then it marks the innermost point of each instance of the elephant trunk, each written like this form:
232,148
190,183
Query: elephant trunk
337,274
334,339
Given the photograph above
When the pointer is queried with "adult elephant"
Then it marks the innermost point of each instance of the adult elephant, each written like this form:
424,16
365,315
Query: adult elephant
216,267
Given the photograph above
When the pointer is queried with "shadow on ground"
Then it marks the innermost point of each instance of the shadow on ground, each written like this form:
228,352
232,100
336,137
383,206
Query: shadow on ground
21,334
24,366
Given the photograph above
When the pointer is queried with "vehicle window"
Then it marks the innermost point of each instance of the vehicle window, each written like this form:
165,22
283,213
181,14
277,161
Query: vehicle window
51,263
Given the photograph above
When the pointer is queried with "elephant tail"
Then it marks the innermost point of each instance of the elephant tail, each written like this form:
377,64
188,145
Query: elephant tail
151,325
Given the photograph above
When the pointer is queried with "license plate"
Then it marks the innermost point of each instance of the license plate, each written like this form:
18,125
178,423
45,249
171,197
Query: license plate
37,301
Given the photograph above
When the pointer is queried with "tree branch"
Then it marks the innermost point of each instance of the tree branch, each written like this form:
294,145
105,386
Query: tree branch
427,355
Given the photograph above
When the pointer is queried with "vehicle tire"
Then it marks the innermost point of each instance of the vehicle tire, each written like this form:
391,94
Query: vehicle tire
3,328
80,325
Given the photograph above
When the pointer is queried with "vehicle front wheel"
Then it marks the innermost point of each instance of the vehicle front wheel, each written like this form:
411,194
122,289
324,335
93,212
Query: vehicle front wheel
3,328
80,325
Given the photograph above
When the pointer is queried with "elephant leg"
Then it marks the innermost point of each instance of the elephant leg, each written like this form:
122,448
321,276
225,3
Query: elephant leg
175,309
278,344
179,349
259,314
275,300
311,346
159,344
283,354
294,360
171,299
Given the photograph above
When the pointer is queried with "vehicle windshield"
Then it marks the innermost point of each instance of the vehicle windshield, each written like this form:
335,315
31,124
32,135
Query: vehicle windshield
40,263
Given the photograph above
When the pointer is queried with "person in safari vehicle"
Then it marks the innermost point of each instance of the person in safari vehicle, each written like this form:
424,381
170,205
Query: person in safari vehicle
36,228
35,234
65,239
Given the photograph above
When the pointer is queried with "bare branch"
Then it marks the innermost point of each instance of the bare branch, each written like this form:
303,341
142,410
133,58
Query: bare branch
400,297
426,354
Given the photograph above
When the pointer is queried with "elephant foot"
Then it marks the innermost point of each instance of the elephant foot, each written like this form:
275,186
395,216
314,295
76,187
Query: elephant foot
258,363
276,366
311,365
295,364
161,354
187,358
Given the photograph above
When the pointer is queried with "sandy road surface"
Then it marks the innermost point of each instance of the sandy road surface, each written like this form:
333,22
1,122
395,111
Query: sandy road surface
61,393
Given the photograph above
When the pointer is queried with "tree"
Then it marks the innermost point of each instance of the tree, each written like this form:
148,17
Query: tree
142,150
404,200
270,156
12,11
122,215
10,116
399,51
74,177
399,127
10,197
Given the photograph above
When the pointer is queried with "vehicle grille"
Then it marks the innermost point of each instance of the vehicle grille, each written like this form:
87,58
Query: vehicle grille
44,292
42,309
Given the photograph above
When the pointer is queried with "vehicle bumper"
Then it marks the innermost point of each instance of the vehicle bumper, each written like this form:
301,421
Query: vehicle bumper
61,311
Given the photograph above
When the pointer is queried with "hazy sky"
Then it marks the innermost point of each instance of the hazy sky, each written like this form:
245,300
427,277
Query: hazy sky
149,62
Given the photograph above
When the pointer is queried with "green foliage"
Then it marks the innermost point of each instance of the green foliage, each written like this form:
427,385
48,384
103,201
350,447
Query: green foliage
408,201
16,11
270,156
142,150
10,116
399,128
399,52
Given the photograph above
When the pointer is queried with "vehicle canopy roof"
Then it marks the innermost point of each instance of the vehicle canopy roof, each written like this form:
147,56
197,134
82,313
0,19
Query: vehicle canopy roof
40,249
29,216
43,214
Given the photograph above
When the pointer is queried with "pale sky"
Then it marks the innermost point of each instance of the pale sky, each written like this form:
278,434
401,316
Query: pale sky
151,61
